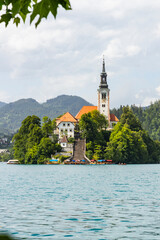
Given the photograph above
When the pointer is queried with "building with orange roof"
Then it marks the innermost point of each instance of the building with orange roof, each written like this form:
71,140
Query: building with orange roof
66,125
85,109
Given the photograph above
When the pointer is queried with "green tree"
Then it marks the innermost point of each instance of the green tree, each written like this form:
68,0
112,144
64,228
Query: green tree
99,119
24,138
32,144
91,125
126,146
46,147
32,155
28,135
129,118
148,116
18,10
98,152
47,127
88,127
129,143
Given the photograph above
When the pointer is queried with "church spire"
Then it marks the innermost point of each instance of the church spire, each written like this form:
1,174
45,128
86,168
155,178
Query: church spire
103,83
103,67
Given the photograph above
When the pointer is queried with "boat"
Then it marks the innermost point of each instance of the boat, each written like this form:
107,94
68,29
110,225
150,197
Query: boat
13,161
53,161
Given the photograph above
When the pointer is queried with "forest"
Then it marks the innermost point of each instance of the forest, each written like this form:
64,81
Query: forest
148,116
127,143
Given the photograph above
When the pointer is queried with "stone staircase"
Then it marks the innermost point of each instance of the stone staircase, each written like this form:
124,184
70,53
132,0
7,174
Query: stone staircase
79,150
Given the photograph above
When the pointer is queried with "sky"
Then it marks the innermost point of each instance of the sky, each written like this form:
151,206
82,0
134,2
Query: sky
64,56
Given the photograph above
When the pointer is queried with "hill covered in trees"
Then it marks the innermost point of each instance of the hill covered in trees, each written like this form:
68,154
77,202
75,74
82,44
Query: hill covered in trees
148,116
12,114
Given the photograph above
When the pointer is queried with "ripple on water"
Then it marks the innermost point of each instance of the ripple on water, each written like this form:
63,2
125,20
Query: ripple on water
80,202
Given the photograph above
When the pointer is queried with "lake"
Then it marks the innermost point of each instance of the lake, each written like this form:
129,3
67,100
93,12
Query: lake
94,202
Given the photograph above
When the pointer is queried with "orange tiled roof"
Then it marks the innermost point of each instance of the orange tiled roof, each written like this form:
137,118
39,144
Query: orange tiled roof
67,117
113,118
85,109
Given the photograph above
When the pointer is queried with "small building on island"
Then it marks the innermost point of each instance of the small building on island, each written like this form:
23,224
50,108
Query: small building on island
66,125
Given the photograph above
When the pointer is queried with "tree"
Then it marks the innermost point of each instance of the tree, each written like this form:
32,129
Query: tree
93,127
32,144
88,127
18,10
47,126
91,124
28,134
126,146
129,143
99,119
148,116
129,118
98,152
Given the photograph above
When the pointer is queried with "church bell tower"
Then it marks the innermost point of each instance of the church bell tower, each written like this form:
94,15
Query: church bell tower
103,95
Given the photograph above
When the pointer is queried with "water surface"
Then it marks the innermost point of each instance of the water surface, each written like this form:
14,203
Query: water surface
80,202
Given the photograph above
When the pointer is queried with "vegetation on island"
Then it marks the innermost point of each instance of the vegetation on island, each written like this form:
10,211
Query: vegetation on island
35,143
128,142
17,10
93,127
7,155
148,116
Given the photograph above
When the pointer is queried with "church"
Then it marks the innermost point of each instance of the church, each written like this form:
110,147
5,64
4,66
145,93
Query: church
66,123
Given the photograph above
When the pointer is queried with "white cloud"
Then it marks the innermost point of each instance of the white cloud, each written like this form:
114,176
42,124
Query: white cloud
65,55
132,50
158,90
4,97
147,101
118,49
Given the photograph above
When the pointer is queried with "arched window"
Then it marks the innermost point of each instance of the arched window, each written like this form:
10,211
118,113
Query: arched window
103,95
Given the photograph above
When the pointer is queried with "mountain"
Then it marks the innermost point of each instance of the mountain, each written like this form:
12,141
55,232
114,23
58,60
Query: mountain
12,114
2,104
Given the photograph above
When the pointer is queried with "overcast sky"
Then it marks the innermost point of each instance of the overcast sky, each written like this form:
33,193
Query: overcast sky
64,56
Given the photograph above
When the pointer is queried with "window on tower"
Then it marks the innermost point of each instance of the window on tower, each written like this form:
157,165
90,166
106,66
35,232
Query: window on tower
103,95
103,105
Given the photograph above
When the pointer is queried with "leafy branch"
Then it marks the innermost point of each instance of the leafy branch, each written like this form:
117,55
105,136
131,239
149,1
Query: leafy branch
18,10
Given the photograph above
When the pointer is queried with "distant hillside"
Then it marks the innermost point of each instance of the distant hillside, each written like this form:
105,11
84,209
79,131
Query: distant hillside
2,104
149,117
12,114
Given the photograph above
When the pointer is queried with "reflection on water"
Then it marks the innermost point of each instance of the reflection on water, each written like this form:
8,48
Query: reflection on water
80,202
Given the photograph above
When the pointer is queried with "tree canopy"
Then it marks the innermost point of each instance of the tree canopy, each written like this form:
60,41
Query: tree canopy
93,127
35,143
129,143
18,10
148,116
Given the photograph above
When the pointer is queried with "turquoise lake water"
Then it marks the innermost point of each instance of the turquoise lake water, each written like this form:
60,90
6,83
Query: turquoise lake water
80,202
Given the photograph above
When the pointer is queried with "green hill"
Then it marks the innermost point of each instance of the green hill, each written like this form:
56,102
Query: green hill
12,114
148,116
2,104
